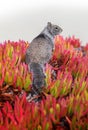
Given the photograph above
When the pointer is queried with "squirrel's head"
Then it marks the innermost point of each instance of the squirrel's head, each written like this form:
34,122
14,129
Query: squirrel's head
54,29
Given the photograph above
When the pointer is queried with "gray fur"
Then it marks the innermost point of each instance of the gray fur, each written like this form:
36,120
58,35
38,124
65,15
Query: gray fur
39,53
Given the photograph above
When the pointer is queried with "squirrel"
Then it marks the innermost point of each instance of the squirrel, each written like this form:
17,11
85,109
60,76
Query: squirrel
39,52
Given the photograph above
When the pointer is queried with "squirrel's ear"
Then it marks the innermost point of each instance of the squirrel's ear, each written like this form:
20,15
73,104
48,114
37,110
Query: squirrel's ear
49,25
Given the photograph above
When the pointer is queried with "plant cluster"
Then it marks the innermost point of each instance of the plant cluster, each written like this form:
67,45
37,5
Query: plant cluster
64,103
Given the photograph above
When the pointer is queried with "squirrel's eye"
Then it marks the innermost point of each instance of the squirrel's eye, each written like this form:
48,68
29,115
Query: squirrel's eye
56,28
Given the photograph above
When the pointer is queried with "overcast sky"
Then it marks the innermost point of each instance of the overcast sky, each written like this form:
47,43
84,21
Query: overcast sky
24,19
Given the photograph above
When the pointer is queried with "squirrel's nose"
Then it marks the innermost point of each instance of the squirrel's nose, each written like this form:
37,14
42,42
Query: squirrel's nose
61,29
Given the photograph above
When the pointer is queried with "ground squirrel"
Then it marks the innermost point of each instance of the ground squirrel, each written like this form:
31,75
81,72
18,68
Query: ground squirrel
39,53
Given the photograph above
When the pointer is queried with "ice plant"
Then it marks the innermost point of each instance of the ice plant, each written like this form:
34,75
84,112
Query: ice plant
64,101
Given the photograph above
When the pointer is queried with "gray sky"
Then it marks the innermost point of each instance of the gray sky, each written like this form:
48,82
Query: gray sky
24,19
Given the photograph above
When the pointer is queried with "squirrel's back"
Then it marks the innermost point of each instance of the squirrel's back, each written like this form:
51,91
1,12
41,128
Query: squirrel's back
40,50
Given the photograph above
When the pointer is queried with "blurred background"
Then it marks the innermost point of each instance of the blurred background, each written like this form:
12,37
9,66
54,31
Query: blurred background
24,19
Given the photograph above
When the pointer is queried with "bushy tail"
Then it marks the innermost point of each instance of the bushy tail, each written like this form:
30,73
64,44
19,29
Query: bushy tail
38,77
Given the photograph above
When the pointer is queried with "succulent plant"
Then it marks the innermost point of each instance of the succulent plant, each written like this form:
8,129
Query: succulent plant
64,101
